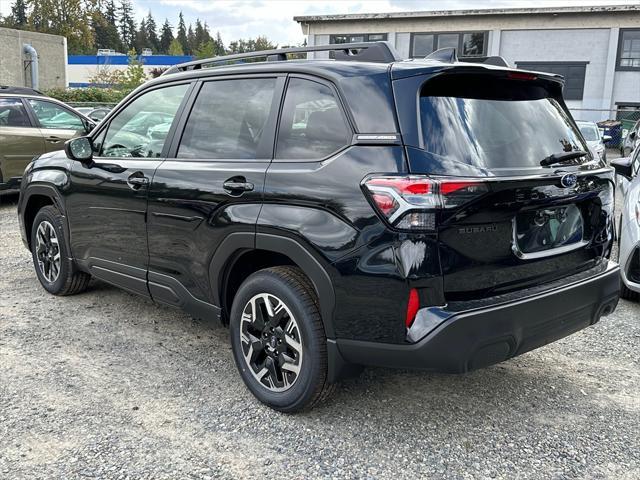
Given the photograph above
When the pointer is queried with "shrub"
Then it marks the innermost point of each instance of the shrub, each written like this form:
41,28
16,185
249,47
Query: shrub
87,95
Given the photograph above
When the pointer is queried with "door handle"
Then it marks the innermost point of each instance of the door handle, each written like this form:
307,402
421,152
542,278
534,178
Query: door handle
137,180
237,185
53,139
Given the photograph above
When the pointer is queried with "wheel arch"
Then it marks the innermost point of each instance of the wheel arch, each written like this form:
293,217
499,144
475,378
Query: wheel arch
35,198
243,253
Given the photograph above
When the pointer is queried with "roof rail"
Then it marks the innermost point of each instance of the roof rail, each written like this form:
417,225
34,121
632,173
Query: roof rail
381,52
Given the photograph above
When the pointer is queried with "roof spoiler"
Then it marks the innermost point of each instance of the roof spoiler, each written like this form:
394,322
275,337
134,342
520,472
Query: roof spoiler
449,55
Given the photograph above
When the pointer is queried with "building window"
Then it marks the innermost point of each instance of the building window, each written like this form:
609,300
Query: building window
467,44
357,37
573,73
629,50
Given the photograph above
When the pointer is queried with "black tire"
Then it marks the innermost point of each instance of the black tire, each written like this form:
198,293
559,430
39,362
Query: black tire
68,280
293,289
628,294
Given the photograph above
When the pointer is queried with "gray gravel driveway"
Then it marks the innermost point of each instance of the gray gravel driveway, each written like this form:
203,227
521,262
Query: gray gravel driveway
108,385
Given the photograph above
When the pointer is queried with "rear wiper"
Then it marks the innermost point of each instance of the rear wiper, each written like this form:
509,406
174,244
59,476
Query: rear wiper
561,157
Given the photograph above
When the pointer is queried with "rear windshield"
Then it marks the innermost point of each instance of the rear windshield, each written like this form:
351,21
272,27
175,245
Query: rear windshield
495,133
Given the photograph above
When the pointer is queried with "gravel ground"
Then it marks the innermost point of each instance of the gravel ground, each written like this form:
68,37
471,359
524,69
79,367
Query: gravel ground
109,385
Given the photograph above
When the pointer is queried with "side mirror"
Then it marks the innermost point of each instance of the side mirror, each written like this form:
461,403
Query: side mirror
79,149
606,138
622,166
632,135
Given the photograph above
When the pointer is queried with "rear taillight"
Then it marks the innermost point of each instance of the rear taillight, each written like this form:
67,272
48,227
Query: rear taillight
412,202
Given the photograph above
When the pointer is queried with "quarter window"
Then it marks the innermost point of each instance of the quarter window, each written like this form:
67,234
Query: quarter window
312,125
629,50
141,129
51,115
13,113
467,44
228,119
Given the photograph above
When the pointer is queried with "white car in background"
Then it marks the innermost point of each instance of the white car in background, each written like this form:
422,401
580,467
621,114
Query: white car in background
628,168
595,140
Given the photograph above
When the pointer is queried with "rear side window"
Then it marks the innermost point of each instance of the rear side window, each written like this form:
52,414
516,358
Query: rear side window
13,113
51,115
228,119
312,125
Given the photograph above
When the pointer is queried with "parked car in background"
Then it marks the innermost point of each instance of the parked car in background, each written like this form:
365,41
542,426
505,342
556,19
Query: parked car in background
94,113
32,124
362,211
629,248
630,141
595,140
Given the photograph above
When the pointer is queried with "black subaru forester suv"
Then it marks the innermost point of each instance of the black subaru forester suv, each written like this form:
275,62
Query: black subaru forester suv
356,211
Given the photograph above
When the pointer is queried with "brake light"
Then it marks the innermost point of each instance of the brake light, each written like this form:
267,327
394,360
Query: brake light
411,202
412,307
521,76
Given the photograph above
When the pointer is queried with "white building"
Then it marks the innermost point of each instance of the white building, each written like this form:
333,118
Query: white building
597,49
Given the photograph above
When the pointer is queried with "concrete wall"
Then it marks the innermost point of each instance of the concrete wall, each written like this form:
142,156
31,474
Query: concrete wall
52,58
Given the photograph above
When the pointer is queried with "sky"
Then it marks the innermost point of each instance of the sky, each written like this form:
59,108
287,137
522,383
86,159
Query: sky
274,18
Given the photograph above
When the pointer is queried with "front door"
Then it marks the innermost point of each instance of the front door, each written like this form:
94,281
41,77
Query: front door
20,141
212,186
107,203
57,123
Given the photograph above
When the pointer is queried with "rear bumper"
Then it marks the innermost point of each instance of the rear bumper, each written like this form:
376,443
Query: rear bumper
476,338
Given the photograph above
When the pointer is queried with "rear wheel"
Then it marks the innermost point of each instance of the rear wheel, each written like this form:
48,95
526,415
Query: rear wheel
51,255
627,293
278,339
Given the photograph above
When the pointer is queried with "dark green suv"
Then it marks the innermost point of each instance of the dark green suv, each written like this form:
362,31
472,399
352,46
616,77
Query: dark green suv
32,124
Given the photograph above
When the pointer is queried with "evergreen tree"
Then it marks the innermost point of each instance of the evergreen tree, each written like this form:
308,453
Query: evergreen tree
199,35
127,24
152,33
142,37
166,37
219,45
105,29
182,34
191,41
18,16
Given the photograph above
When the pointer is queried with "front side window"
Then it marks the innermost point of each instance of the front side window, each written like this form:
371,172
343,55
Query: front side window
469,44
51,115
228,119
312,125
141,129
13,113
629,51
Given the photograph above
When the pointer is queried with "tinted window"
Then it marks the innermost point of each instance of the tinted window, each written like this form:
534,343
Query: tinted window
141,129
228,119
312,125
13,113
493,133
51,115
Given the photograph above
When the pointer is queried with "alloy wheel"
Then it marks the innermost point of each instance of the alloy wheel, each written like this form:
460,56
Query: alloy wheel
271,342
48,251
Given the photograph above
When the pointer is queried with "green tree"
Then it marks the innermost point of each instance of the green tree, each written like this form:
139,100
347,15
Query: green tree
142,37
105,30
134,75
191,41
175,48
127,24
182,34
152,33
251,45
18,16
206,50
166,37
69,18
219,45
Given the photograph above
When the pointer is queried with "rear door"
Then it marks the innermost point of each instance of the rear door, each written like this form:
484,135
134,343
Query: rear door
57,123
212,183
506,222
20,139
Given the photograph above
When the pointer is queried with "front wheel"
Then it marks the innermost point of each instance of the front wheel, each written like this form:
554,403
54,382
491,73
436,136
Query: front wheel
278,339
51,255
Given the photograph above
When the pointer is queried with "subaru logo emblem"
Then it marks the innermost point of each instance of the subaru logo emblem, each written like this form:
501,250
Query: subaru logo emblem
569,180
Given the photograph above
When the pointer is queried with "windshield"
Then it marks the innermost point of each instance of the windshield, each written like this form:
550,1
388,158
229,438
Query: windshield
495,134
589,132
